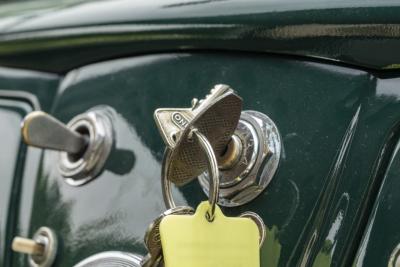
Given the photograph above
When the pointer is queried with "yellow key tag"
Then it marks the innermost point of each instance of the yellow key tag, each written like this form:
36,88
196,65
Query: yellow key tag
193,241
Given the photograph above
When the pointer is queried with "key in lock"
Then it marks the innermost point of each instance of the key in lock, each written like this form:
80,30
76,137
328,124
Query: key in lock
247,145
216,117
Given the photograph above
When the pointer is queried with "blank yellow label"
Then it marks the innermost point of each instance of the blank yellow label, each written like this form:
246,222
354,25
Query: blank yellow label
192,241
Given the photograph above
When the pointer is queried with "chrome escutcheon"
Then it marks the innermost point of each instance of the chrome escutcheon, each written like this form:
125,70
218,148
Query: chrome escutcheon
255,166
97,125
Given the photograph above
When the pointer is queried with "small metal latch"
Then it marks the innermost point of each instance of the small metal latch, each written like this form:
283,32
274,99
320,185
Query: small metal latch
41,130
42,248
84,144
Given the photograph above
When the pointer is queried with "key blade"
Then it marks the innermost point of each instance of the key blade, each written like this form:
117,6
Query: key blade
171,122
41,130
216,118
217,91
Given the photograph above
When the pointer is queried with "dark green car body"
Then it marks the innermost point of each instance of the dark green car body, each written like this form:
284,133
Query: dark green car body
326,72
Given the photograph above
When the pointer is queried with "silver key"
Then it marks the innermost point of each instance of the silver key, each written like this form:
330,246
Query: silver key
152,238
216,117
259,222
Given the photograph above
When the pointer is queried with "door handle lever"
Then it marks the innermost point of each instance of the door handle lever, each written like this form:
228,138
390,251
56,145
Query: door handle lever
84,143
39,129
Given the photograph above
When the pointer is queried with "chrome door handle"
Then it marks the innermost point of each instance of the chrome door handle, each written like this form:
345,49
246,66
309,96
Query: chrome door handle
42,130
84,144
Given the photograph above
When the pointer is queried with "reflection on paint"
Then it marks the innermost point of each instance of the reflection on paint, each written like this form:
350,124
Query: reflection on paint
369,239
323,210
324,256
271,250
388,88
327,249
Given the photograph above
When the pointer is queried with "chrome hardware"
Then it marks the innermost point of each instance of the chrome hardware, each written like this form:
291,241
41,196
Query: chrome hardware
258,162
394,260
212,167
215,117
83,144
247,147
39,129
96,123
232,155
111,258
42,248
259,222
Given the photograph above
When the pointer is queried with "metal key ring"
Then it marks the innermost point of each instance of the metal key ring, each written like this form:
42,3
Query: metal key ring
212,170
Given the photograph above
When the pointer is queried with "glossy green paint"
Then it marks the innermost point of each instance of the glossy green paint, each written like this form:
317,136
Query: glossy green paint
20,92
338,126
382,235
62,35
38,89
11,160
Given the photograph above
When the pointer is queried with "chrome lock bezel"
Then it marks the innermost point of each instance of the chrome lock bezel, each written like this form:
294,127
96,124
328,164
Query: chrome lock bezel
259,160
97,124
48,238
